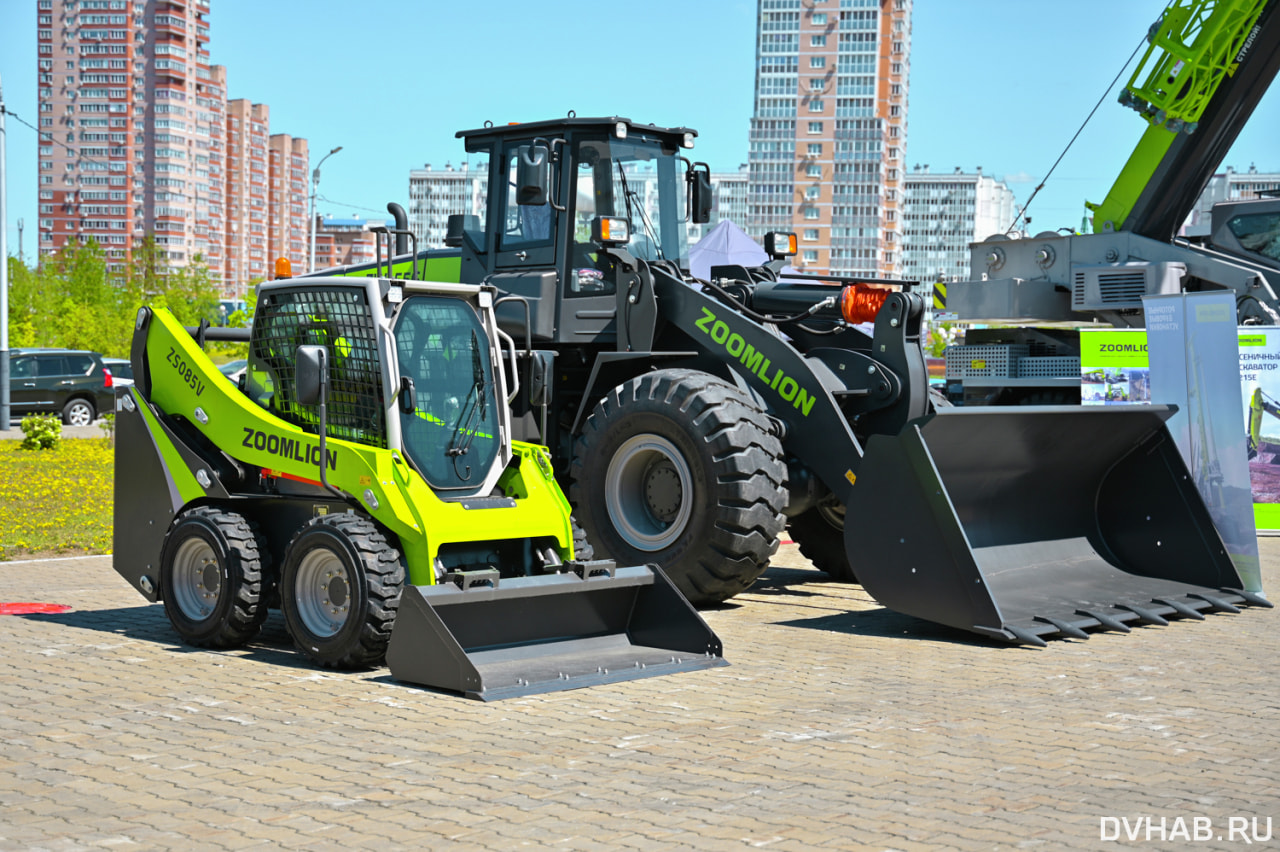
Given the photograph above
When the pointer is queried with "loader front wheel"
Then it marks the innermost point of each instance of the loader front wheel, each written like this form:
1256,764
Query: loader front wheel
212,578
678,468
820,534
340,589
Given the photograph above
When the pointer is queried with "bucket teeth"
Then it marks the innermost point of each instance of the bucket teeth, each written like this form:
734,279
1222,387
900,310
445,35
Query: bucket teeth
1105,620
1063,627
1216,602
1146,616
1026,637
1180,608
1251,597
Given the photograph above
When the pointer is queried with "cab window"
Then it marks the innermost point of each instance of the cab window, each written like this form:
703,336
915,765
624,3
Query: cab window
525,225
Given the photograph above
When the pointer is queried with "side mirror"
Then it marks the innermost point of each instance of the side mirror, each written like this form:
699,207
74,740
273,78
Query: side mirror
700,197
408,395
540,376
311,374
533,175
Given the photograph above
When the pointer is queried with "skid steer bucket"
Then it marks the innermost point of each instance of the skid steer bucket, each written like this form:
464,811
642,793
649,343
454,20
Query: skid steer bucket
1026,523
529,635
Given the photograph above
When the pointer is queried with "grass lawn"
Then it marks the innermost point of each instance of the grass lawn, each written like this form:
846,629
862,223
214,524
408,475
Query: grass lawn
56,501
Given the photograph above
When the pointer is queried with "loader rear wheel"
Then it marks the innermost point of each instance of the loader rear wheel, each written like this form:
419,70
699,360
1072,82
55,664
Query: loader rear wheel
678,468
820,534
212,578
340,589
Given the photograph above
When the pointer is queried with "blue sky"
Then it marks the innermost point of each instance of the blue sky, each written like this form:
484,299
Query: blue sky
1001,84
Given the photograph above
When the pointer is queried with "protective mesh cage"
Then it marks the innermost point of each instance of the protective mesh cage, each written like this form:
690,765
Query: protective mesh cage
339,319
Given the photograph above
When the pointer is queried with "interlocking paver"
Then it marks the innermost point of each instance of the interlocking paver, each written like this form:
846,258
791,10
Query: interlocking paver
839,725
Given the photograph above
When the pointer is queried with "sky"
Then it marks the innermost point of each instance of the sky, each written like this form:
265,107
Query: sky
1001,84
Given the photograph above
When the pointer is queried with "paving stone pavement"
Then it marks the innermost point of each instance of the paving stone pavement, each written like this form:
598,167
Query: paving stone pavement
838,725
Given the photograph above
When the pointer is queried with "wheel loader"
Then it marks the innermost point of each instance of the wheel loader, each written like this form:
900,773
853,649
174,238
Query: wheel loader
362,477
691,420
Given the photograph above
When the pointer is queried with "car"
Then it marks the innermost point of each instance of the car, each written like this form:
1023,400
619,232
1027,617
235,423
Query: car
234,370
72,383
121,371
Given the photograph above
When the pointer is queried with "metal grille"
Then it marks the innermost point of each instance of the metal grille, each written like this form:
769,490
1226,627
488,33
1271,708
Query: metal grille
1055,367
339,319
981,361
1124,288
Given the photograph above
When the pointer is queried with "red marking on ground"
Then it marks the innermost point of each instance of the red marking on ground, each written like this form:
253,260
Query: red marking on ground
29,608
786,541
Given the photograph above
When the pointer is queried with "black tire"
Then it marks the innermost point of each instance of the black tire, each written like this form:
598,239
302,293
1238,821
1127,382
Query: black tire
678,468
340,590
78,412
819,532
212,578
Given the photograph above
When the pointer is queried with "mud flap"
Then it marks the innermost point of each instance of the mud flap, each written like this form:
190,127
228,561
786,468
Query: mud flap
1022,523
531,635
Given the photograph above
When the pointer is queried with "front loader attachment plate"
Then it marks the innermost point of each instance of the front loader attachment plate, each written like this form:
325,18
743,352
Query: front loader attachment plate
531,635
1023,523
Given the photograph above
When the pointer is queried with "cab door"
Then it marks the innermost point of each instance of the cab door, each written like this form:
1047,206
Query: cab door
526,232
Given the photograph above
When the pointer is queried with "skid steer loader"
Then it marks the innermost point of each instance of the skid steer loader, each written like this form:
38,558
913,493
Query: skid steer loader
691,420
363,479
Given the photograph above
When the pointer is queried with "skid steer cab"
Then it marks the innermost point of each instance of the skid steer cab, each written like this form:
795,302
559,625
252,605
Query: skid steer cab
362,478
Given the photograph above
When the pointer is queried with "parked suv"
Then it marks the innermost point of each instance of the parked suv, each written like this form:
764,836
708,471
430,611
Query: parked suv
69,382
121,371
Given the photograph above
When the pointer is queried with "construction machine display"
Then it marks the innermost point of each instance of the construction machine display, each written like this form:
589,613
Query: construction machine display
1207,65
691,420
364,479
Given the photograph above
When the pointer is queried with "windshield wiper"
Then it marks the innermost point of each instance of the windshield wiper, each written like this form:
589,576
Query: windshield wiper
474,407
628,195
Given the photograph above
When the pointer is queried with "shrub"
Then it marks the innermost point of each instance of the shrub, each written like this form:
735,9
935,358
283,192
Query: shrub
43,432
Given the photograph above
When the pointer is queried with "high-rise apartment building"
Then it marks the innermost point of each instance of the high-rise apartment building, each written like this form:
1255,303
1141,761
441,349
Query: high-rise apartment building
829,131
136,136
118,87
942,214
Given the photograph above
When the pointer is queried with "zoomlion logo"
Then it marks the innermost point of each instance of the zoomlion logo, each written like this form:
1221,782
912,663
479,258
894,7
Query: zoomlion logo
293,449
755,362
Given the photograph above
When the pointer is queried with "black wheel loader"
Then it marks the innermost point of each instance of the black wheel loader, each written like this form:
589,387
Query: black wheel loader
692,420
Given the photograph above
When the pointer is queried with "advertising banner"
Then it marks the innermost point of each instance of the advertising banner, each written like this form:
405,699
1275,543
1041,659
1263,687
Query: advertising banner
1113,367
1195,364
1260,390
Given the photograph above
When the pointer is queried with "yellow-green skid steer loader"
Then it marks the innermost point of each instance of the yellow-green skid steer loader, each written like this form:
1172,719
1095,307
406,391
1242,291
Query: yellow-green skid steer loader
362,477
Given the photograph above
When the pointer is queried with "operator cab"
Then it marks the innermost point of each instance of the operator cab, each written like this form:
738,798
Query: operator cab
567,193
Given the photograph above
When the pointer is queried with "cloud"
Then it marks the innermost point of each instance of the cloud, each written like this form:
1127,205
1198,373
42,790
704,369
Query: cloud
1019,177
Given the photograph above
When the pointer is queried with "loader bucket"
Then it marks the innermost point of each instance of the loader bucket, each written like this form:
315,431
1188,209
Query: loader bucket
531,635
1022,523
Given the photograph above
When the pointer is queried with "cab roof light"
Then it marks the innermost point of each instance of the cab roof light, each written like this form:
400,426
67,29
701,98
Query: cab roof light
284,269
780,244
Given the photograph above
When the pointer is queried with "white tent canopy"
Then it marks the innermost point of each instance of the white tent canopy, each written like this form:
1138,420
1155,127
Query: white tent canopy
724,244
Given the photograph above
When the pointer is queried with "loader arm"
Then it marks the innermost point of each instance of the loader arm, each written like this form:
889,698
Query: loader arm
813,395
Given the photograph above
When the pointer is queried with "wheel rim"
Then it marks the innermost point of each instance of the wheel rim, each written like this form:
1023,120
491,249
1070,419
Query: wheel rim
831,510
648,492
322,592
80,415
197,579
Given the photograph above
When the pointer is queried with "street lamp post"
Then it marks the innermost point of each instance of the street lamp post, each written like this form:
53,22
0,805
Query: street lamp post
315,183
4,285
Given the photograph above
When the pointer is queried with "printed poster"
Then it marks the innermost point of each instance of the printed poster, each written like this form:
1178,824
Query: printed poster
1192,342
1113,367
